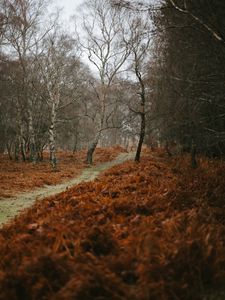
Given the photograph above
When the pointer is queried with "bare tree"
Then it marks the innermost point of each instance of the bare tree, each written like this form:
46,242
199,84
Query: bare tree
21,37
107,50
141,37
57,57
3,22
183,6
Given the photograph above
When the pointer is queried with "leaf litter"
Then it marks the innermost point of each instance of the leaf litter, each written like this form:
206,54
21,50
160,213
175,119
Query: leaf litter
17,176
153,230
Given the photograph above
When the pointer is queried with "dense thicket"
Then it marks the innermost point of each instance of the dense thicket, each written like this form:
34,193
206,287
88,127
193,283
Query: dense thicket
171,88
188,75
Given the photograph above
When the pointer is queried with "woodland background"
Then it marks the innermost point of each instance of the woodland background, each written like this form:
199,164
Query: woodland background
159,77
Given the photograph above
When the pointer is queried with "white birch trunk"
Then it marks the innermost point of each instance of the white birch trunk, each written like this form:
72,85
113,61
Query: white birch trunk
52,136
33,154
54,102
21,147
92,147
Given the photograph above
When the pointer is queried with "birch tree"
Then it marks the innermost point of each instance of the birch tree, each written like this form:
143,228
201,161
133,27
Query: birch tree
56,59
140,28
107,51
21,37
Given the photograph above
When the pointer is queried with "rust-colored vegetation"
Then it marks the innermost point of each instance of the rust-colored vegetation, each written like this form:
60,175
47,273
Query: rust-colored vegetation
153,230
24,176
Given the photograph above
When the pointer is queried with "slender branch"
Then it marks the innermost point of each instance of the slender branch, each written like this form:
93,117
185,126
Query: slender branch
215,34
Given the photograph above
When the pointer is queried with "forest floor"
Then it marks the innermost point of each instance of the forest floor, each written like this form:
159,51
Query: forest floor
153,230
9,207
24,176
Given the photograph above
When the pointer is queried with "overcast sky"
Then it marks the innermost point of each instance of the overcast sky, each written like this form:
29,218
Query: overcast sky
69,9
69,6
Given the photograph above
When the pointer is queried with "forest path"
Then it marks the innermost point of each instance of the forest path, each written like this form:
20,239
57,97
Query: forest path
10,207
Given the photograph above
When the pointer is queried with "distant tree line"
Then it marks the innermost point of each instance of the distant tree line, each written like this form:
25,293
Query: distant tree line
159,78
49,98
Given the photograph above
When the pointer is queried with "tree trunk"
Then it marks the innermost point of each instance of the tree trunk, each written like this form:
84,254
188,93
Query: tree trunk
167,149
53,160
114,136
142,108
16,151
75,142
9,148
91,149
22,143
33,152
2,146
141,138
23,150
193,156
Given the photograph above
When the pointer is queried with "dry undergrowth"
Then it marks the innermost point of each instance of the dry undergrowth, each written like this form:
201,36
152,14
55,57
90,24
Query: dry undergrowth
24,176
153,230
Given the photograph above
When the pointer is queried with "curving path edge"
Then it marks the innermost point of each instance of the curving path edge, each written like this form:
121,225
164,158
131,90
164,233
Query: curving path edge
10,207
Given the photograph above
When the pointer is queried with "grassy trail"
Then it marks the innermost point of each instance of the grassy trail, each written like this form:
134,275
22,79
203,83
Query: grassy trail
10,207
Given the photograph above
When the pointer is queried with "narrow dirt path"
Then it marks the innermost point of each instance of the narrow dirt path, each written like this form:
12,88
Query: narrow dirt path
10,207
